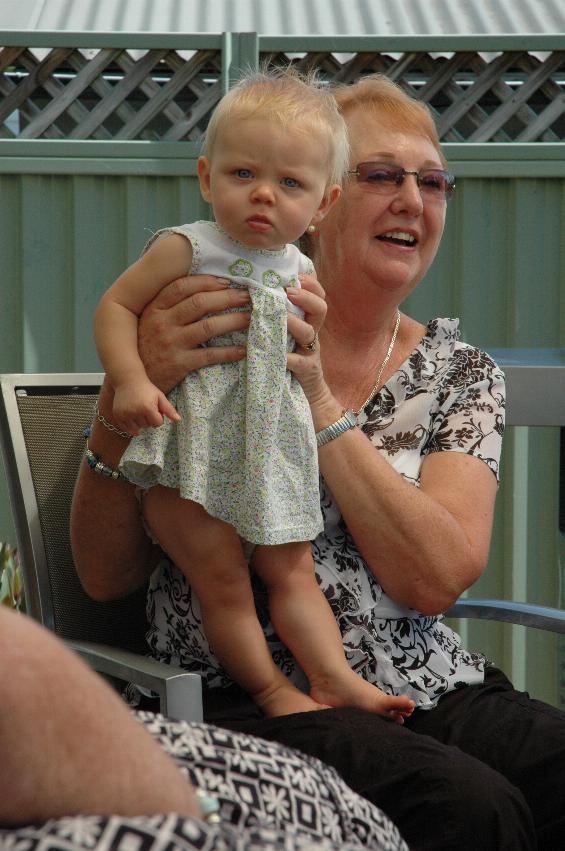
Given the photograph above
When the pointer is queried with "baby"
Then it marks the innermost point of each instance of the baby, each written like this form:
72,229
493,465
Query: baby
228,462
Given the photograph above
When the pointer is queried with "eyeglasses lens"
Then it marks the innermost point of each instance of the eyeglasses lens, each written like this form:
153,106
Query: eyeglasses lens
384,178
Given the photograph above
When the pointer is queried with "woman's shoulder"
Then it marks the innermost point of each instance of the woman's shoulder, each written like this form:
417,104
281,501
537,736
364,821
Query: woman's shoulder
442,341
449,369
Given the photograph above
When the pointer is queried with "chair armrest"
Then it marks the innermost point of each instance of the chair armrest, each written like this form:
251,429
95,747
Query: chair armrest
180,692
523,614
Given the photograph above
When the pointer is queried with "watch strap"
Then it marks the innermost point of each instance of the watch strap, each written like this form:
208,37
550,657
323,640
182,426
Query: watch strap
346,421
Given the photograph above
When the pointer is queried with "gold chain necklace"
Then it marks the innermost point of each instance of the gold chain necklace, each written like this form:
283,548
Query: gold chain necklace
375,386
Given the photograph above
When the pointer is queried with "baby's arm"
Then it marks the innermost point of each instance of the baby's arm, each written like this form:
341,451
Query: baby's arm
137,402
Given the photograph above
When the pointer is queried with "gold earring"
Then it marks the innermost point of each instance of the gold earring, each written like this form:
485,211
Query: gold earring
311,228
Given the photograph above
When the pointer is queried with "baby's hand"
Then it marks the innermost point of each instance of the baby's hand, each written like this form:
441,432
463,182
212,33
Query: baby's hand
139,405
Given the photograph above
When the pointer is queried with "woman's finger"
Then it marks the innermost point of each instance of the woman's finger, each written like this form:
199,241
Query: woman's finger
313,305
182,288
196,333
170,348
308,371
310,298
217,354
304,333
312,346
312,284
202,303
185,315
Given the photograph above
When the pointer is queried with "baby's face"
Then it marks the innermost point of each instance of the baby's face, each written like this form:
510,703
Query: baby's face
266,183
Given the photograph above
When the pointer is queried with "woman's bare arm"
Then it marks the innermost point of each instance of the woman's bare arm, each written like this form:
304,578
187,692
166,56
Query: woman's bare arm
69,744
425,545
112,553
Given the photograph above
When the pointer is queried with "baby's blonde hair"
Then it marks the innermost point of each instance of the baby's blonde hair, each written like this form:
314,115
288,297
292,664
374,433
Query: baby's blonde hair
292,100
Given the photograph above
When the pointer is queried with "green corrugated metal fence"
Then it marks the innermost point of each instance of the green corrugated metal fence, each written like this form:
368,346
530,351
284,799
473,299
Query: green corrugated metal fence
73,214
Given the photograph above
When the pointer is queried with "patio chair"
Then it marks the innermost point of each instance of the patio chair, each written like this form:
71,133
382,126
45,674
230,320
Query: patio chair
41,422
535,396
42,418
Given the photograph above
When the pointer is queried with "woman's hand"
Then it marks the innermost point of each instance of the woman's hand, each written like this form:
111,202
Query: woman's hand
304,364
174,325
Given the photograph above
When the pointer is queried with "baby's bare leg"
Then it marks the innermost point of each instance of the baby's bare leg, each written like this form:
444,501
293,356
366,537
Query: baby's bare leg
209,553
304,620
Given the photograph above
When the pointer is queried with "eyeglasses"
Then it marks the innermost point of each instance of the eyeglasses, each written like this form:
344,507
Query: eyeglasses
385,178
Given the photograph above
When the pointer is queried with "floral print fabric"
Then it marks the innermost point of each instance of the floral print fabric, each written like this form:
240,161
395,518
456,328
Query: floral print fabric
245,447
446,397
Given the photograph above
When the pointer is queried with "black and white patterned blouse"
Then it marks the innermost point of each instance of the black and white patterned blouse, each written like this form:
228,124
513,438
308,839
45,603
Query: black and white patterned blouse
270,797
446,397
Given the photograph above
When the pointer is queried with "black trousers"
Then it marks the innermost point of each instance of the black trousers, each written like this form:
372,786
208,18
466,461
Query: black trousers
483,770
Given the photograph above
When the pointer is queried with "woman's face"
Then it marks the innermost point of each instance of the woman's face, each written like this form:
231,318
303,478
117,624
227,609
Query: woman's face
387,239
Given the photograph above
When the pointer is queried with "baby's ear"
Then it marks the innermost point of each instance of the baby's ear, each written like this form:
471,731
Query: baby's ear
331,195
203,168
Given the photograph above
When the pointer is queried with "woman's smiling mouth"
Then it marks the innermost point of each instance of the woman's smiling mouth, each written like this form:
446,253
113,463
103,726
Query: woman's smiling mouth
398,237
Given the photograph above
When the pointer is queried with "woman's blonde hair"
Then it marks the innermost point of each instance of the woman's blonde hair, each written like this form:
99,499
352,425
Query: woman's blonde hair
389,102
292,100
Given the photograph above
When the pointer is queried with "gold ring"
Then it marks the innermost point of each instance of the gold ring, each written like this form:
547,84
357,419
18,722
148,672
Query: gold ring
313,344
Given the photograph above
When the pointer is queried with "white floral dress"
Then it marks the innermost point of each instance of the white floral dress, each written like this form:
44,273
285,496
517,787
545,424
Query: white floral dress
245,448
446,397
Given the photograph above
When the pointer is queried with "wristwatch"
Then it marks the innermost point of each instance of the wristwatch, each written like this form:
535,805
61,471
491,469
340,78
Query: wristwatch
346,421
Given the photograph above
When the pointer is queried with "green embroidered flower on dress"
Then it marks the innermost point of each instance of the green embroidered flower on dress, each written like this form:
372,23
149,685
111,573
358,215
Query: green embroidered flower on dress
272,278
241,267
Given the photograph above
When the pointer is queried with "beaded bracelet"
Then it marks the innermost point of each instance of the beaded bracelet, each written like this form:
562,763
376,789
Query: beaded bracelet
96,463
209,806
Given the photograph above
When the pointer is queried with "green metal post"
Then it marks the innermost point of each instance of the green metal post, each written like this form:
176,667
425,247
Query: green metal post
240,53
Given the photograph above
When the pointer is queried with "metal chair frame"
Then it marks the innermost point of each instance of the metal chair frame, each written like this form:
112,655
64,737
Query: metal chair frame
180,692
536,396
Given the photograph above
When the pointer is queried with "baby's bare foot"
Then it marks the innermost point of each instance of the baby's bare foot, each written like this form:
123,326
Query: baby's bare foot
356,692
286,700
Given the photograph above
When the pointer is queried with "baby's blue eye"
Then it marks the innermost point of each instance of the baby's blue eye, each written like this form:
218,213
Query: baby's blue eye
243,173
290,182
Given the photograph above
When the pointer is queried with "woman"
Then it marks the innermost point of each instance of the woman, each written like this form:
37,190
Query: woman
407,496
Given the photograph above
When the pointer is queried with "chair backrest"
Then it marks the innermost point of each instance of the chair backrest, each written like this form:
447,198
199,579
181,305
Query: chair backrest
42,420
535,385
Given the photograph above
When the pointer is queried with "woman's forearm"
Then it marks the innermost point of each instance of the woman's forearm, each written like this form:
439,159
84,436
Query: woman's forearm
425,545
68,742
112,554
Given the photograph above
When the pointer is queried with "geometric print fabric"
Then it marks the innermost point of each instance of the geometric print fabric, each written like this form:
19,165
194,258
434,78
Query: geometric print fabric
271,799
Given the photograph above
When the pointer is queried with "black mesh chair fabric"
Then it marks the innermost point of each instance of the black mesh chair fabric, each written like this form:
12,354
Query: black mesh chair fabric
53,423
